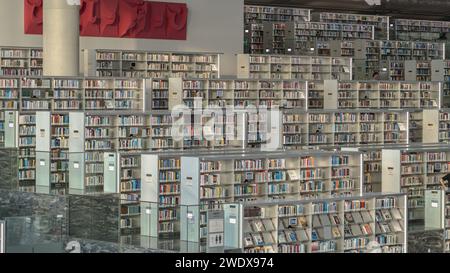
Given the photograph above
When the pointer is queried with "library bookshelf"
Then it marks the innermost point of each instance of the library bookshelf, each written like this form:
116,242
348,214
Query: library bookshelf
270,27
361,224
208,182
293,67
387,57
413,171
150,64
21,61
381,23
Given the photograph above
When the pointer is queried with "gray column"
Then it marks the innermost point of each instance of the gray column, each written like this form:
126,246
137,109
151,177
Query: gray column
61,39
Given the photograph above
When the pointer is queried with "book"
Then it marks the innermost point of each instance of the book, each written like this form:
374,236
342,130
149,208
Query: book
302,235
268,238
384,227
281,237
248,241
291,236
325,220
357,217
366,229
302,222
366,216
257,238
356,230
378,216
316,221
378,229
294,174
336,219
336,232
314,236
349,218
327,233
268,224
258,226
396,214
247,227
320,233
386,215
395,226
293,222
347,231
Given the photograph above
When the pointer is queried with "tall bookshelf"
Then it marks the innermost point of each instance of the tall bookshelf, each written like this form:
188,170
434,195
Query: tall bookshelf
446,93
424,30
162,132
161,189
36,94
308,34
447,222
335,225
277,38
21,61
59,149
286,89
389,57
9,94
150,64
72,94
27,149
444,125
382,94
258,14
68,95
98,137
254,38
264,27
2,129
323,128
207,182
293,67
412,171
129,187
217,94
372,161
381,23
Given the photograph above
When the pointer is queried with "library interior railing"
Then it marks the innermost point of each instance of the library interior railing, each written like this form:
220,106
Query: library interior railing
59,218
36,223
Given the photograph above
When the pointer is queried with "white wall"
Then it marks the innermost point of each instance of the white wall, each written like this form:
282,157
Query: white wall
213,26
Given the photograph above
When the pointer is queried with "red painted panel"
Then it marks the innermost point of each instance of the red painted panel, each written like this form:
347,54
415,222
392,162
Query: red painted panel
120,18
176,21
90,18
109,18
157,18
33,16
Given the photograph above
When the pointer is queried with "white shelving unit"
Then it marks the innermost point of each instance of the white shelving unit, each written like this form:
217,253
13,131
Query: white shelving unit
207,182
334,225
293,67
412,171
150,64
21,61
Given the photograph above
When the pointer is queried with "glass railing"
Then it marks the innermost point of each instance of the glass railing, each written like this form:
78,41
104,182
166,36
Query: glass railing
76,219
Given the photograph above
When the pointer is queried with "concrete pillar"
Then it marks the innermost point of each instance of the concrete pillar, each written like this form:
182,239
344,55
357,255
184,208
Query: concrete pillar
61,38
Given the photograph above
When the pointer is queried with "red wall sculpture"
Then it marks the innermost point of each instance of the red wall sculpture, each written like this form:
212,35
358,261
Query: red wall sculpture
120,18
33,16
